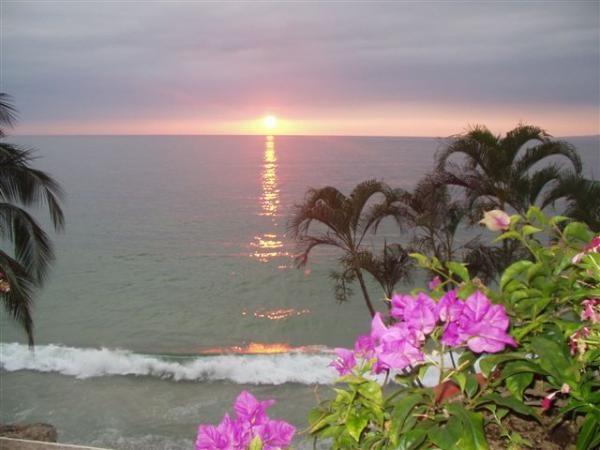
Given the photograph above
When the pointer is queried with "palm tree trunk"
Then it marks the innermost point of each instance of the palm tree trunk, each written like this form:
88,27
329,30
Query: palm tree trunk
363,287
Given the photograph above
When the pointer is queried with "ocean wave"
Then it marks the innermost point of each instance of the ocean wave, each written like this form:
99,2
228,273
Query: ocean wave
274,369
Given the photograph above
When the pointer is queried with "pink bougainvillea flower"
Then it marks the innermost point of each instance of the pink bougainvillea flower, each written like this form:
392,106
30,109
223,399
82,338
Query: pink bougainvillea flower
364,347
251,421
434,283
418,313
395,347
449,307
592,247
378,328
345,361
398,348
250,410
481,325
421,315
276,434
496,220
398,355
216,438
399,302
451,336
590,310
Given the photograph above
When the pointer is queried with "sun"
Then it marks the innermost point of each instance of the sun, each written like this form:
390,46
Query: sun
270,122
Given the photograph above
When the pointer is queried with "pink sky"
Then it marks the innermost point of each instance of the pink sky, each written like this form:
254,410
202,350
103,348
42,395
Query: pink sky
332,68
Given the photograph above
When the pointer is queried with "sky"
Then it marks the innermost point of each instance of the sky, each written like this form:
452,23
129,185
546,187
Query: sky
403,68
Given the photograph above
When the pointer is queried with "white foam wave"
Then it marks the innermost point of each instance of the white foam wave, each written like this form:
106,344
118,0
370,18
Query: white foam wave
304,368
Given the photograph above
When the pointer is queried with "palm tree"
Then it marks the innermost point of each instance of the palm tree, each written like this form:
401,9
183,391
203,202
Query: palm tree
429,213
501,172
433,218
25,265
393,266
582,198
329,218
388,269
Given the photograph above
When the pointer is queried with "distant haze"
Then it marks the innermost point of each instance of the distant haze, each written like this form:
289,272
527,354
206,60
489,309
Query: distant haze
348,68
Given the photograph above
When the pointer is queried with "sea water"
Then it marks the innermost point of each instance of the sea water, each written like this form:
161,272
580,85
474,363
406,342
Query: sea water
174,286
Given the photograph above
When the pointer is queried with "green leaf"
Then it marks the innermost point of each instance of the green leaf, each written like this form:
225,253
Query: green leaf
421,259
578,231
489,362
372,391
513,367
513,271
411,439
588,433
509,235
352,379
517,383
557,219
356,423
446,437
472,385
554,358
255,444
508,401
402,409
534,270
459,269
529,229
461,379
467,357
473,436
535,212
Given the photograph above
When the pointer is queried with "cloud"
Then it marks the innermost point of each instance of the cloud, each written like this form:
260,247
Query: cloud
144,60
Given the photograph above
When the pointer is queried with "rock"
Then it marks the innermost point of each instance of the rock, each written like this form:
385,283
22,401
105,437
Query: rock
33,432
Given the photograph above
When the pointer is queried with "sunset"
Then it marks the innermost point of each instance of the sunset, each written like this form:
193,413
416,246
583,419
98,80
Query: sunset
299,224
377,69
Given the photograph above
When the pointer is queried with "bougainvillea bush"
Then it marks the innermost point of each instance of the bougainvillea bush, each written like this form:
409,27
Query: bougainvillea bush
461,365
458,365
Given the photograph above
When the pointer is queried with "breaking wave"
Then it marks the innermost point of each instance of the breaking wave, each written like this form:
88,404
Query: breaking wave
295,366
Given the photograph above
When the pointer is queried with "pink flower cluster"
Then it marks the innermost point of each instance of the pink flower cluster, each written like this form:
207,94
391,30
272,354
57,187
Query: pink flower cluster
251,421
474,322
591,310
592,247
577,341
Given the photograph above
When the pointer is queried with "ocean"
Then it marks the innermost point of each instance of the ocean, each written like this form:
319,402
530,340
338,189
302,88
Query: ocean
174,286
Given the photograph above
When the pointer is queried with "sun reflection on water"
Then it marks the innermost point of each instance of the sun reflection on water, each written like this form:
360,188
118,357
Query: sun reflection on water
277,314
268,246
270,192
254,348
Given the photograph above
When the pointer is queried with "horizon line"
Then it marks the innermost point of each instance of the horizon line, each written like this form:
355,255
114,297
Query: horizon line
264,135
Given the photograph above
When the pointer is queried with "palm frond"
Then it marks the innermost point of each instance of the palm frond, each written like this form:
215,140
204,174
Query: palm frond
18,300
8,113
306,243
20,183
582,198
536,154
343,284
471,145
32,247
518,137
359,197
